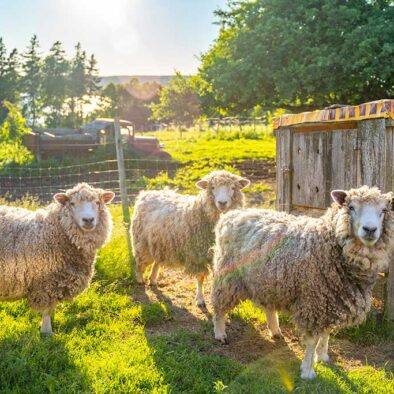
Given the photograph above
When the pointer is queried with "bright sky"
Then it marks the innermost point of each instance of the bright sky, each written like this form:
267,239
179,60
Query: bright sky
127,36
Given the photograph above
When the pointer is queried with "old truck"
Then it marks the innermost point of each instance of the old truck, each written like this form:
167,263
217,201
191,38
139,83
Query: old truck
46,143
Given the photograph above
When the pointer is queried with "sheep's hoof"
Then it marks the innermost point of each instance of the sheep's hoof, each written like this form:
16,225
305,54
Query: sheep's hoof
277,336
152,283
201,304
308,374
223,339
139,280
47,334
325,358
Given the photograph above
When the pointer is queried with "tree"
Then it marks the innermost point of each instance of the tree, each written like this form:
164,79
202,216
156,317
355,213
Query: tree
178,103
55,70
9,77
130,101
299,54
77,86
32,81
12,129
92,77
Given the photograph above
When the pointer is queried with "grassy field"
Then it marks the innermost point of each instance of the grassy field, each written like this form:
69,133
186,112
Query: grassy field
119,337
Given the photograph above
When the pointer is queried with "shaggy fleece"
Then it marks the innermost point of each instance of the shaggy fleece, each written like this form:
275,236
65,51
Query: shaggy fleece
312,267
44,256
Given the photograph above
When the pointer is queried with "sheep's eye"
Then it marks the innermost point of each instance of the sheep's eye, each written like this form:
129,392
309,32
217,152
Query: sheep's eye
384,210
351,208
72,203
98,202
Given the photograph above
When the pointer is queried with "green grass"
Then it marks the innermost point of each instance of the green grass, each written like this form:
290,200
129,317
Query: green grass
226,146
202,152
106,342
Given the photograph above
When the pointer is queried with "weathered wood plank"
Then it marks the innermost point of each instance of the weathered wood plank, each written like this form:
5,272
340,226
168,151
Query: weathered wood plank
373,152
284,141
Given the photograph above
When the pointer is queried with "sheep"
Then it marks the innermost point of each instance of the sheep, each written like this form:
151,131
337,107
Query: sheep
172,229
48,255
321,270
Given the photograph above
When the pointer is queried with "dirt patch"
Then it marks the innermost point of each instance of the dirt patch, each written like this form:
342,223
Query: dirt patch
248,342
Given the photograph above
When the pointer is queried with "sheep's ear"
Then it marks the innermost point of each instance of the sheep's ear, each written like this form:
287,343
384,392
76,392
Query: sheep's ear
339,196
202,184
108,196
61,198
243,182
390,197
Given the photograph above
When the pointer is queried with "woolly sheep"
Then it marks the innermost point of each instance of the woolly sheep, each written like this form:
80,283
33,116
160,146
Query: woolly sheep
48,255
322,270
172,229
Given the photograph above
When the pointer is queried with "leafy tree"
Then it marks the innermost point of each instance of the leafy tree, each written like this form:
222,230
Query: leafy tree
12,129
32,81
299,54
9,77
130,101
55,71
179,102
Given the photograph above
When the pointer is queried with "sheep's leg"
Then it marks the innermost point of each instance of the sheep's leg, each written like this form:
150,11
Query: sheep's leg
219,327
307,371
225,298
140,267
322,348
200,291
273,323
46,326
154,273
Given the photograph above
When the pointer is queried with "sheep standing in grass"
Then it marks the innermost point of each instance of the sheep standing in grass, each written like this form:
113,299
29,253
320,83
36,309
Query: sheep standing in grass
48,255
322,270
172,229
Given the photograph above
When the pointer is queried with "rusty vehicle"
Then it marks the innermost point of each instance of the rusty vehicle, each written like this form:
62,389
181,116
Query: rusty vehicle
46,143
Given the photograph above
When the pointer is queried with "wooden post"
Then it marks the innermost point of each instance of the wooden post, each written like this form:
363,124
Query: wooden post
284,166
123,189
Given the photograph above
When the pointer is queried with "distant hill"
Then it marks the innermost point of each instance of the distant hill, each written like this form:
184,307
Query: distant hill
120,79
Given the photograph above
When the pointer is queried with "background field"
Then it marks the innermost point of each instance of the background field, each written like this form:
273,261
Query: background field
121,337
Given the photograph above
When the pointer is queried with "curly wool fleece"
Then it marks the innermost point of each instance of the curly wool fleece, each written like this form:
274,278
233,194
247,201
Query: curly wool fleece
178,230
44,256
314,268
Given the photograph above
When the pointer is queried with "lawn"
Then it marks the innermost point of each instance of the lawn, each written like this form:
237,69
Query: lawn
122,337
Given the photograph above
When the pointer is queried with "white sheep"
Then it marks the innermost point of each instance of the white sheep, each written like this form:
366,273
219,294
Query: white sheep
48,255
322,270
172,229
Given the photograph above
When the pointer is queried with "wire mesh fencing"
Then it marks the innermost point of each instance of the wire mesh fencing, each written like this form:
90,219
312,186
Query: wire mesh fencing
44,182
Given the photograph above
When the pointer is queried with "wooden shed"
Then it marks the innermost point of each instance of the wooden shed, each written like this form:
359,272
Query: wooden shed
335,148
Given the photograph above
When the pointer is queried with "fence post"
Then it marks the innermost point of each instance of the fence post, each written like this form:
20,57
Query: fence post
123,188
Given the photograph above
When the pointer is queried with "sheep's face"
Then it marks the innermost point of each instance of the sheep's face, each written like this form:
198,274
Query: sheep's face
85,205
223,188
367,212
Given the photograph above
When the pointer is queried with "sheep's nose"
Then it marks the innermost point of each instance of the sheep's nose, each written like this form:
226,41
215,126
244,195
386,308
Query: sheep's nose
222,203
88,220
369,230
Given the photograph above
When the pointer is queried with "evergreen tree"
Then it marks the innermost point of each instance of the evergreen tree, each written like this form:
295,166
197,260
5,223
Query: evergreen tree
55,71
9,77
77,86
92,78
32,81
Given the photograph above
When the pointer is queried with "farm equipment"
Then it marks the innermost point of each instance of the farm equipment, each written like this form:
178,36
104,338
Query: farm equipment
60,142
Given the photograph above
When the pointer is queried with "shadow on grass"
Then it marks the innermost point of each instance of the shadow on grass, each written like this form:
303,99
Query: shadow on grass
30,363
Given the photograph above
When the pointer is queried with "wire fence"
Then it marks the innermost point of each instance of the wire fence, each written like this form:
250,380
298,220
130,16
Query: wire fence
44,182
229,123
